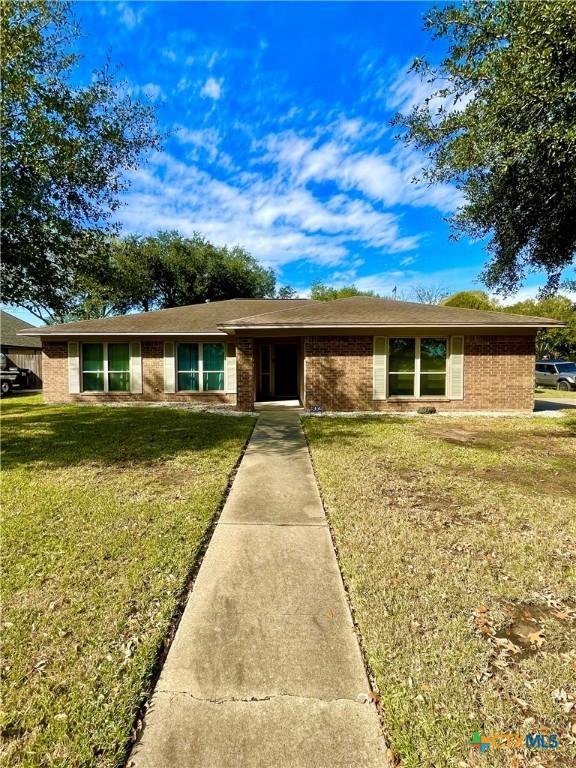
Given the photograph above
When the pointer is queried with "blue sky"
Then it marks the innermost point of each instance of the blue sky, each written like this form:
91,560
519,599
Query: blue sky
280,138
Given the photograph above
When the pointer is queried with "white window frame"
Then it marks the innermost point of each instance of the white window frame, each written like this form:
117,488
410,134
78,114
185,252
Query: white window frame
106,389
418,371
201,370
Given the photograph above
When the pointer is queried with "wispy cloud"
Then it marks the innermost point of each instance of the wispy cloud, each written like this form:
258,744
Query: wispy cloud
384,177
129,15
212,89
407,89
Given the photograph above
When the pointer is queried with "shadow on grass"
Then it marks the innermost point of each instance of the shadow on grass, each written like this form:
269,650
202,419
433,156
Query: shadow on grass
62,436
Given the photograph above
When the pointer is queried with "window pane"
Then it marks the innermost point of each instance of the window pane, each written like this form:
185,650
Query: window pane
213,382
93,382
119,382
118,357
433,384
187,382
188,357
214,357
92,357
401,384
402,354
433,354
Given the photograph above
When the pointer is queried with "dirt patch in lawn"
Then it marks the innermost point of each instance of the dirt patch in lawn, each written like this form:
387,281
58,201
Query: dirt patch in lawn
556,481
457,541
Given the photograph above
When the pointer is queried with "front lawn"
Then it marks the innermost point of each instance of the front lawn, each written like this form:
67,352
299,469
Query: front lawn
104,513
457,540
553,394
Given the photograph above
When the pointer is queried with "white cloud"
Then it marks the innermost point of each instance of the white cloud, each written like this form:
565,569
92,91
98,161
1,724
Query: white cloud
529,292
212,89
128,17
152,90
384,177
277,222
409,89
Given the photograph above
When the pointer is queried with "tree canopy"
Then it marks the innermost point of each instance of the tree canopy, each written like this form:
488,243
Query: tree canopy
554,342
170,270
143,273
470,300
322,292
65,150
501,124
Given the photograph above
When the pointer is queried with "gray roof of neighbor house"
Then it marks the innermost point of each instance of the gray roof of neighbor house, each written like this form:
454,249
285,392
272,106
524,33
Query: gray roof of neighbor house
371,312
194,318
221,317
9,329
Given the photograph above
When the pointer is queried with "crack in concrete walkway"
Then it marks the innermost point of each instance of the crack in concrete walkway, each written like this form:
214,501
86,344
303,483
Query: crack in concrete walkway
265,670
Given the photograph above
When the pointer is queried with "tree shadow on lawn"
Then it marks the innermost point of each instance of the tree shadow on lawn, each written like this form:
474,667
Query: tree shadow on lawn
62,436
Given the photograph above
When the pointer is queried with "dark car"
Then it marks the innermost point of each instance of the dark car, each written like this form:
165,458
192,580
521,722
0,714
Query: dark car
11,376
560,374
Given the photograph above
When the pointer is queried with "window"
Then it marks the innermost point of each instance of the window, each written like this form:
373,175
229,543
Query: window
200,367
105,367
417,367
402,367
188,368
213,362
118,367
93,367
433,355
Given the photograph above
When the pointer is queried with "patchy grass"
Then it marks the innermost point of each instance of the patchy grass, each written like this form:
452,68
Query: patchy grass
543,393
457,540
104,513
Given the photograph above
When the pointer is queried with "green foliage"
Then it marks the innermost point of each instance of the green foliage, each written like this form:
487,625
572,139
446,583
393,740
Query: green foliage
470,300
286,292
169,270
505,131
65,149
322,292
160,271
555,342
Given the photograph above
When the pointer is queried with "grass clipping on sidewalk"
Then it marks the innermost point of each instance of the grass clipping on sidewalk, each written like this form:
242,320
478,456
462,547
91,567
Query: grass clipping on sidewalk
457,540
104,511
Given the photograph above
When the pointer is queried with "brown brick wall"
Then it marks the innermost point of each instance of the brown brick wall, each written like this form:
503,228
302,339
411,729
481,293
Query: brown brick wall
55,372
245,381
498,375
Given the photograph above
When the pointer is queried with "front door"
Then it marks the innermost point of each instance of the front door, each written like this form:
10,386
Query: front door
278,371
286,371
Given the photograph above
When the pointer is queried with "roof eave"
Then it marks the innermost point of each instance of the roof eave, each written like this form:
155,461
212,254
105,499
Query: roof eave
368,326
66,334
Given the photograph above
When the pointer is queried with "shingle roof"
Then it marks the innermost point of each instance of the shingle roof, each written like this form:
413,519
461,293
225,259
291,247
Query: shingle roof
9,327
194,318
368,312
219,317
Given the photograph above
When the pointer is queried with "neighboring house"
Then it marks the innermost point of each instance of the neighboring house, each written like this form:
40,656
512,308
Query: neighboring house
21,351
359,353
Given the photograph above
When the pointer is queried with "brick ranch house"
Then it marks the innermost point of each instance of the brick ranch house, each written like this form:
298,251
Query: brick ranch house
359,353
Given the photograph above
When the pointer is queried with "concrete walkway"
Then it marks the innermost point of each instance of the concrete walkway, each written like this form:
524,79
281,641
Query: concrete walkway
265,669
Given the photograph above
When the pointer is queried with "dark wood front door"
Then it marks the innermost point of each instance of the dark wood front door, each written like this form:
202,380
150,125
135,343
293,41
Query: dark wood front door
278,378
286,370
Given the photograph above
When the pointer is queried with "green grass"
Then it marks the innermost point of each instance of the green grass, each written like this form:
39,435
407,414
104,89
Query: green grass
457,540
550,393
104,513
